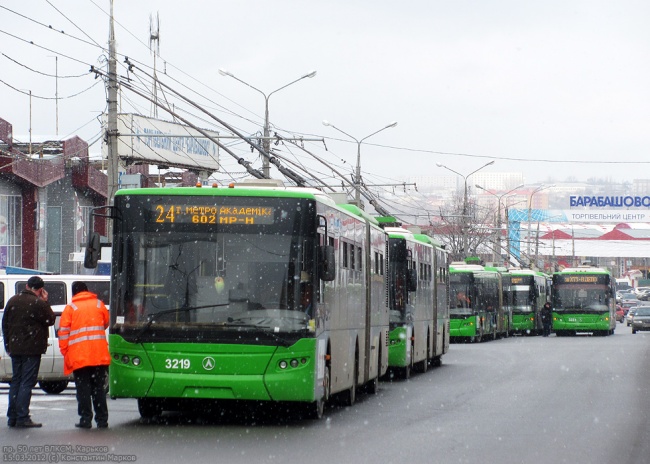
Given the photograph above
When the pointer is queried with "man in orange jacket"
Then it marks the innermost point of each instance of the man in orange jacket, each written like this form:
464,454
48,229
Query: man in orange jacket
82,340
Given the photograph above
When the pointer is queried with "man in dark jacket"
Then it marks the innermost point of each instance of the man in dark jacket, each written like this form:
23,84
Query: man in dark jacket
547,319
25,323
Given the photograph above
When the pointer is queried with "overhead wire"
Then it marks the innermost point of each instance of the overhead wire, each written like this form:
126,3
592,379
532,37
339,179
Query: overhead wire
43,73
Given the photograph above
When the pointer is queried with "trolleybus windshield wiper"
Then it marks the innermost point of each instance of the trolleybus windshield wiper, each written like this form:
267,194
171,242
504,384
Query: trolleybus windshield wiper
231,322
154,316
237,323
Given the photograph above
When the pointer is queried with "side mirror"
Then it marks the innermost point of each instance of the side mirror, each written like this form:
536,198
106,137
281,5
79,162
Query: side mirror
93,249
327,263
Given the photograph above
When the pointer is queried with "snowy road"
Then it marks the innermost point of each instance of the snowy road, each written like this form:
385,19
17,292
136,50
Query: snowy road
518,400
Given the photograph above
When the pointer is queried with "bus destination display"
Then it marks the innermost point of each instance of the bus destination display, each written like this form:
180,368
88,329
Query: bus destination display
581,279
212,215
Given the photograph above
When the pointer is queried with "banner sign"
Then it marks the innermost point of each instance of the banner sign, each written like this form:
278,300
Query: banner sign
622,201
165,143
578,215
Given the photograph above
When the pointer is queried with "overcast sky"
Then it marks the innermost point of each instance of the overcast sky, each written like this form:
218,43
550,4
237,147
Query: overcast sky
553,89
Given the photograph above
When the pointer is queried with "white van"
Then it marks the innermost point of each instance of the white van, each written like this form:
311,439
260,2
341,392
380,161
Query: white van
59,290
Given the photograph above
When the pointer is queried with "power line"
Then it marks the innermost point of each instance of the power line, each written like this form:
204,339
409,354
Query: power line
41,72
49,98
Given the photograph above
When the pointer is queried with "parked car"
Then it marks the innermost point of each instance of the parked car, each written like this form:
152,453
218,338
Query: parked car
641,319
59,289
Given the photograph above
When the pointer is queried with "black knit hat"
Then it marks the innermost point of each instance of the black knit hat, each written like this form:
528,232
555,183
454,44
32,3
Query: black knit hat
79,287
35,283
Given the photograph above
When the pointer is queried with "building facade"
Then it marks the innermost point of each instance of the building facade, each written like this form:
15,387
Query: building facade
47,191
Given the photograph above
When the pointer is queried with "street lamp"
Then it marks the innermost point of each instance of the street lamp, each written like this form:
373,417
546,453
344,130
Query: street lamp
464,217
357,177
498,224
530,205
266,142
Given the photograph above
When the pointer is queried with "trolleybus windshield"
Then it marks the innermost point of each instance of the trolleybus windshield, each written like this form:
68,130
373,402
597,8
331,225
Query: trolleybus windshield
461,292
519,293
580,297
202,266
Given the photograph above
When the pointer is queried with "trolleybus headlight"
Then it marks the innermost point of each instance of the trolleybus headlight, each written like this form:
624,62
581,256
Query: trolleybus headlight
116,357
125,359
294,363
283,364
303,361
136,361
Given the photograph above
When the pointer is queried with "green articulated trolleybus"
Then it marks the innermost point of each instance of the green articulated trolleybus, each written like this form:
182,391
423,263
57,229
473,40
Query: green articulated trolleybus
476,307
253,292
525,292
584,300
418,300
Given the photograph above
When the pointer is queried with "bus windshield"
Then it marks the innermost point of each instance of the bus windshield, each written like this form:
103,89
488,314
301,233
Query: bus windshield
201,274
518,298
460,294
580,297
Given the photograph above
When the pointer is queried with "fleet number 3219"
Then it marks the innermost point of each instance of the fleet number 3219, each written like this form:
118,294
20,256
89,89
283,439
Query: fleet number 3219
176,363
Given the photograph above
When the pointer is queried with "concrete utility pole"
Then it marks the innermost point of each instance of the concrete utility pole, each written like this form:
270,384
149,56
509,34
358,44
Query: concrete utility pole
111,131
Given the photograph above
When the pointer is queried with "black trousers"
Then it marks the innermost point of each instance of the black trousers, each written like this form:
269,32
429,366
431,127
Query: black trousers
90,382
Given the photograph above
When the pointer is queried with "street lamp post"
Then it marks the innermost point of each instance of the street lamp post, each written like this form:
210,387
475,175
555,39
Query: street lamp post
464,216
266,142
498,248
530,205
357,177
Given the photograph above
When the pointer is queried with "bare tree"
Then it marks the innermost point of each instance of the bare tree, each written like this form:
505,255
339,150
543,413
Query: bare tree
476,228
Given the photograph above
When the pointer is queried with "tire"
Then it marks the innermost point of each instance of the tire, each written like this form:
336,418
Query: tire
317,408
408,369
53,387
423,366
372,387
351,394
149,408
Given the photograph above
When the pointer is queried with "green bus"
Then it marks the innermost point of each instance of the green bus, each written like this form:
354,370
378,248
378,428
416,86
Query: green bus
418,301
253,292
504,315
584,300
525,292
476,305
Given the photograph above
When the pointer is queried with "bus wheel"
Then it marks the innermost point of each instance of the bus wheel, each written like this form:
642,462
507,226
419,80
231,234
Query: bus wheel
149,408
53,387
372,387
406,372
351,395
424,364
317,408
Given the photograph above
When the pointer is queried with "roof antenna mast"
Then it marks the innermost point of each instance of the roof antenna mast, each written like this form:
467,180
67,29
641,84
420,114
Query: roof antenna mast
154,47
